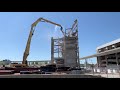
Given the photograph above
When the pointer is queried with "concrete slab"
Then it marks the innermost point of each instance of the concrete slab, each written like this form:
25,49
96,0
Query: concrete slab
48,76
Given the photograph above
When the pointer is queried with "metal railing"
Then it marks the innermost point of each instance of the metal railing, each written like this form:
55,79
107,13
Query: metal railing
103,72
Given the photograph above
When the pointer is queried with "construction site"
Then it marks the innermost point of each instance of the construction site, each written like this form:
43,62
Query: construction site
65,59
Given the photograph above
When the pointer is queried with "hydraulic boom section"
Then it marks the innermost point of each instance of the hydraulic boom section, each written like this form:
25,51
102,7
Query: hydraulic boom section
27,49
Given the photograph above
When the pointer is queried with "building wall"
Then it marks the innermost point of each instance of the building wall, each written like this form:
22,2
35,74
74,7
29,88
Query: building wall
109,60
70,56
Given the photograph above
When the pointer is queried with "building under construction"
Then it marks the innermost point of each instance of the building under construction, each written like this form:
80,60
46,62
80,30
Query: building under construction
65,50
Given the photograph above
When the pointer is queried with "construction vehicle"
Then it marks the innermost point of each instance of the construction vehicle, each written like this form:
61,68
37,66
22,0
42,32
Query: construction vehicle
27,49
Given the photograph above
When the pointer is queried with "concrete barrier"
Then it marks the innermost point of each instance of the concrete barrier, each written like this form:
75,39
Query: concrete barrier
109,71
115,71
98,70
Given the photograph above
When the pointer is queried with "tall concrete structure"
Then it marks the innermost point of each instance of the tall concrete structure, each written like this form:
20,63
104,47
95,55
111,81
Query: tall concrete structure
65,50
109,60
70,55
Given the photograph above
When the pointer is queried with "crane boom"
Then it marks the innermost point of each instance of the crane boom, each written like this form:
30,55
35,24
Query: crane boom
45,20
26,53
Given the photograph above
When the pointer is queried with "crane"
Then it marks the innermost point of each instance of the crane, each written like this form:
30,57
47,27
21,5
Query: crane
27,49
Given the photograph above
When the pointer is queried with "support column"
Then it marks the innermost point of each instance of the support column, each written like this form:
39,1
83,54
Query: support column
116,59
86,63
98,61
106,65
106,61
52,50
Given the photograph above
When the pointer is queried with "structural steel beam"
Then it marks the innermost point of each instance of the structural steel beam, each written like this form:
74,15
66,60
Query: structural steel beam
102,53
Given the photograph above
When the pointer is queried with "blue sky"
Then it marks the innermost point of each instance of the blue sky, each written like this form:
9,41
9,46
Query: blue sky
95,29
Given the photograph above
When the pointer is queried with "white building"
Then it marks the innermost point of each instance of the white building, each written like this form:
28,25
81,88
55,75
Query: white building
109,60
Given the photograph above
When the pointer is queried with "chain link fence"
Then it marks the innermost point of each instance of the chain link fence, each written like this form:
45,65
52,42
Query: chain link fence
103,72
